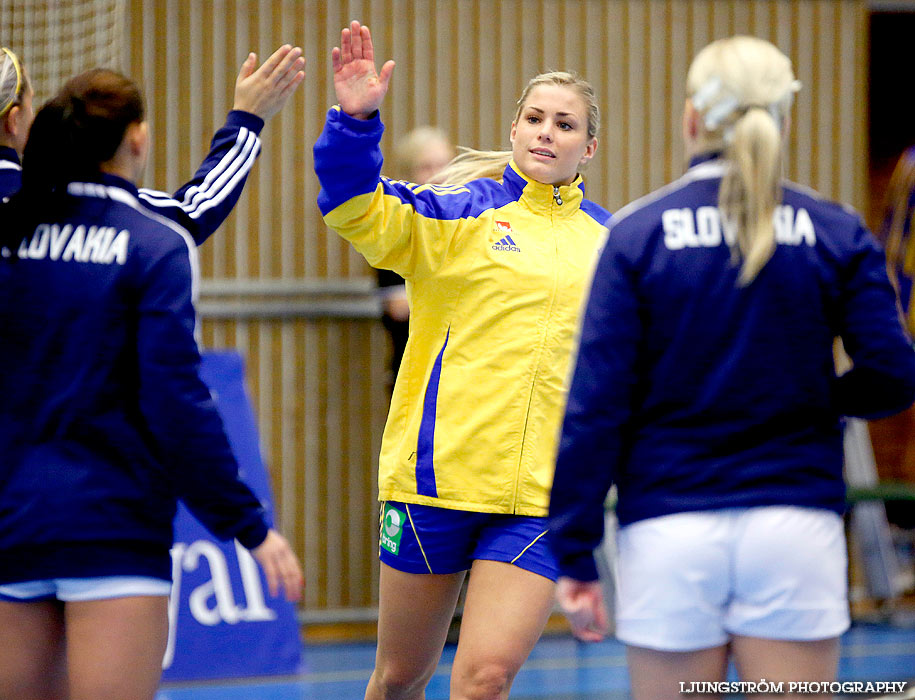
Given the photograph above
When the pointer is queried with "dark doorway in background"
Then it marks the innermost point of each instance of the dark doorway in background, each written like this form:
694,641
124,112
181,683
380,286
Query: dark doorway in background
891,99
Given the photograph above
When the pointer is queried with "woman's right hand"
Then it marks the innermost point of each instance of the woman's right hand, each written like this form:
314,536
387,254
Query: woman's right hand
263,91
360,89
281,568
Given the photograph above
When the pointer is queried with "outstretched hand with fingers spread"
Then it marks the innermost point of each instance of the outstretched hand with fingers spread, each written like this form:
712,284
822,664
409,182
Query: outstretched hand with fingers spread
265,90
280,566
360,89
582,602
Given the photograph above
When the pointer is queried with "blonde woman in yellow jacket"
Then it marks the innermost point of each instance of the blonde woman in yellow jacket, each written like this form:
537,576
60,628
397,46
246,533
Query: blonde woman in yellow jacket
496,272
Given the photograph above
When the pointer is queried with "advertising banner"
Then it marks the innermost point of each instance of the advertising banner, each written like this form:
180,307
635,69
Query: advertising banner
222,621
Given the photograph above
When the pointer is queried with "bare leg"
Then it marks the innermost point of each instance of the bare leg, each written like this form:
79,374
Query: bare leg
414,614
785,661
32,651
115,647
504,614
656,675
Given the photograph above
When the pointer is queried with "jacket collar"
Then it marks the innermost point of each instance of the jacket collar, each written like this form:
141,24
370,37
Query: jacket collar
119,182
106,186
106,180
705,157
539,197
9,154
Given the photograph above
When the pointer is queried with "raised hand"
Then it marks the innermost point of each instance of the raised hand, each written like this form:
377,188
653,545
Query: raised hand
582,602
265,90
280,566
360,89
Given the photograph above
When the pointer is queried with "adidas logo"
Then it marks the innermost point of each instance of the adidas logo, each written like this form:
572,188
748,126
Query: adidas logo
506,243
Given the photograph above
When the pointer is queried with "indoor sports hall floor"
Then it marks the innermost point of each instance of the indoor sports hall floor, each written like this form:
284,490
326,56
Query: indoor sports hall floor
558,669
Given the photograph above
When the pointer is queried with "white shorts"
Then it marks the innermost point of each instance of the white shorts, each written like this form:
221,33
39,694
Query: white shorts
81,589
689,581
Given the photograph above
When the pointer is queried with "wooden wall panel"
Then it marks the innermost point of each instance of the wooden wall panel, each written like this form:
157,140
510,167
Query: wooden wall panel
318,384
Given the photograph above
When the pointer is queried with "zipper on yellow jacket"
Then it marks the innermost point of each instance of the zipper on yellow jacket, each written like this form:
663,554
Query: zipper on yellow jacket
557,202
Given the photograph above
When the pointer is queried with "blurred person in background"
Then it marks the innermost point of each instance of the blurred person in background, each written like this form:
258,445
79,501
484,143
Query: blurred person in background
898,238
894,437
16,115
418,157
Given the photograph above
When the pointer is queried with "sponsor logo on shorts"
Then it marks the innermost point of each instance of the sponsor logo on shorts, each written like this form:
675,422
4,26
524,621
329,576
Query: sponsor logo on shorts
392,528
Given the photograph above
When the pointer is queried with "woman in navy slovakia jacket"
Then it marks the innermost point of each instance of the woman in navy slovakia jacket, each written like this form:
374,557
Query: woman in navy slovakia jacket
203,203
104,421
705,384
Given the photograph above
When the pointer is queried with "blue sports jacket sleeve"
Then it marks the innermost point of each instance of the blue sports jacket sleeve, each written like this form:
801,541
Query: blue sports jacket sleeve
401,226
185,427
203,203
598,408
882,380
347,158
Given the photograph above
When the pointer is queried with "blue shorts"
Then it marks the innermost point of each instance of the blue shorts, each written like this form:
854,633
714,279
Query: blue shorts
80,589
428,540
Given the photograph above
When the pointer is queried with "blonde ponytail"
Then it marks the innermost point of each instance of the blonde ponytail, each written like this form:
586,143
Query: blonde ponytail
750,190
743,88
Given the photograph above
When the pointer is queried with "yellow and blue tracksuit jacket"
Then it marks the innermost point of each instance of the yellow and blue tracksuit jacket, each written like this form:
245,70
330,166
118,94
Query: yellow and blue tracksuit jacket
496,276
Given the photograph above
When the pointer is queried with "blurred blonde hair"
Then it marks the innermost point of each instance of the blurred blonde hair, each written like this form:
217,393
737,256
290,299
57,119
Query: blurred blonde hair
471,164
896,232
408,150
13,81
743,88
